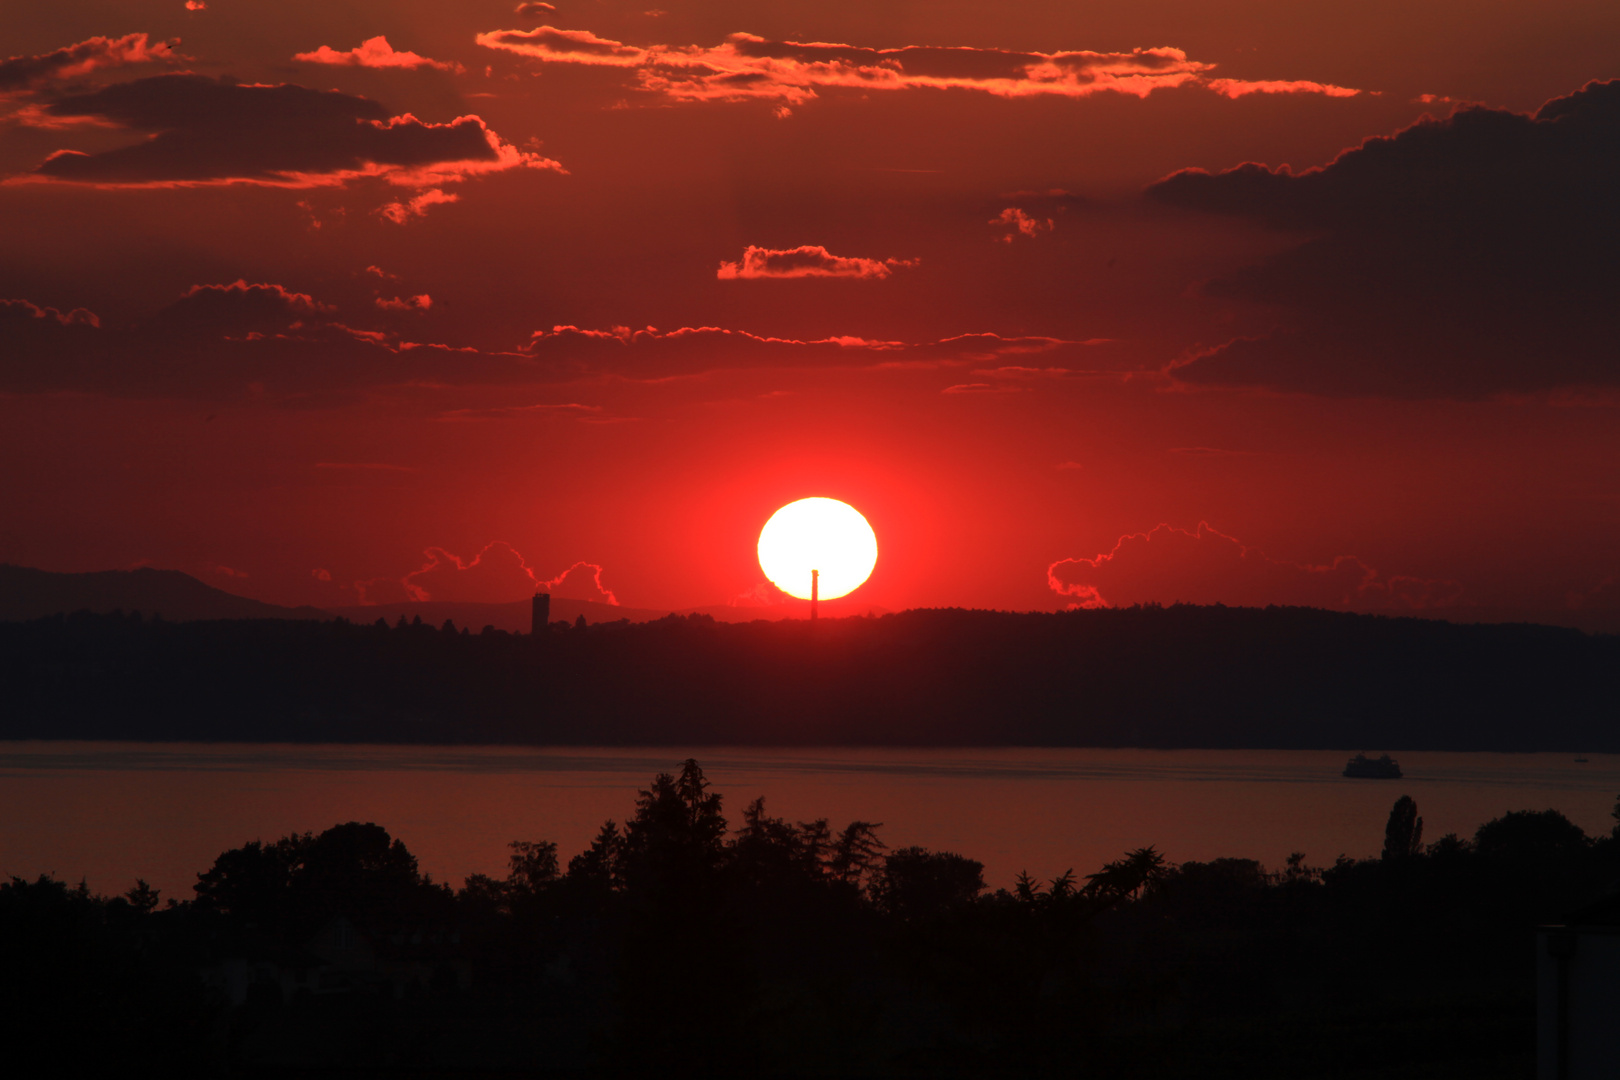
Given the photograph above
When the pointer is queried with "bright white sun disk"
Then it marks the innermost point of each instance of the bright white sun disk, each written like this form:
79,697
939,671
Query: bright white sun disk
817,534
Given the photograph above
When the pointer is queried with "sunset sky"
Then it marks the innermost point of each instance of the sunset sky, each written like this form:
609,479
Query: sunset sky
1103,303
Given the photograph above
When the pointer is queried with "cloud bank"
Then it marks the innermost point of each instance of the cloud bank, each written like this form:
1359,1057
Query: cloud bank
205,131
275,344
1168,565
1459,258
73,61
373,53
748,67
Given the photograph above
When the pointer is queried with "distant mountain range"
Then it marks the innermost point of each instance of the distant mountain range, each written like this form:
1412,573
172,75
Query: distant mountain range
26,593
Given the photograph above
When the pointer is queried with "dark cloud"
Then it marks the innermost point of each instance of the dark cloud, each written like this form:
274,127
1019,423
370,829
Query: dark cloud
569,351
25,72
231,342
20,315
270,343
207,131
42,348
237,308
1465,257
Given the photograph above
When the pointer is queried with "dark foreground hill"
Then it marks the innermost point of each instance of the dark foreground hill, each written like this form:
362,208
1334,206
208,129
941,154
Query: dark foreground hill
1182,676
26,593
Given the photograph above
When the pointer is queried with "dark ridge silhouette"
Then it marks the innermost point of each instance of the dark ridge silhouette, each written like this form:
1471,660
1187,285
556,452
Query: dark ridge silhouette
1156,677
686,944
514,616
26,593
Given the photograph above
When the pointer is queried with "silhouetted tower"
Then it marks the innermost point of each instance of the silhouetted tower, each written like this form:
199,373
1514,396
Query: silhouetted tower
540,613
815,591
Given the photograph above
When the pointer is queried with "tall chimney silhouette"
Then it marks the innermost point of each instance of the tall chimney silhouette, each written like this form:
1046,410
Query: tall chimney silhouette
540,613
815,591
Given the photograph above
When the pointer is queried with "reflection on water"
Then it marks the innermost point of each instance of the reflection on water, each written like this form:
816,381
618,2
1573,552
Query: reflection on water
109,812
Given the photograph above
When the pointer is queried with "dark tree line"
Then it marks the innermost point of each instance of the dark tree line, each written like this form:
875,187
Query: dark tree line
681,943
1182,676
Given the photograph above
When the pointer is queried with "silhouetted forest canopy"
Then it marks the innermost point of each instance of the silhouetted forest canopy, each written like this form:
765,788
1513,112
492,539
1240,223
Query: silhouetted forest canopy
686,943
1182,676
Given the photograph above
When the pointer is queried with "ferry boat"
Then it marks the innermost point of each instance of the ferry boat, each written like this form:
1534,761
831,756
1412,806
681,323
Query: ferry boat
1382,767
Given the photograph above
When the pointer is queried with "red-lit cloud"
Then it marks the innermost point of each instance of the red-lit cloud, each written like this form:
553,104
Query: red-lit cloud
1168,565
497,574
401,212
565,46
209,132
1020,223
14,312
807,260
419,302
534,7
1459,258
1236,88
237,308
373,53
981,388
747,67
92,54
565,352
582,581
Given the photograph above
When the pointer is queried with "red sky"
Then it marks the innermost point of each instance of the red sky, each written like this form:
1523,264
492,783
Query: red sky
304,297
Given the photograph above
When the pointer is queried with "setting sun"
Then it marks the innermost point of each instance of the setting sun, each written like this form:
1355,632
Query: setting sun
823,535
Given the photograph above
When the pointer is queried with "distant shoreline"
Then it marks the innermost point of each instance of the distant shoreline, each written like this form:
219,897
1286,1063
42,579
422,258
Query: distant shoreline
1180,677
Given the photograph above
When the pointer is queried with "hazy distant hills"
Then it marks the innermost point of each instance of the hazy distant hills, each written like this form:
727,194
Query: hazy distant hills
514,617
26,593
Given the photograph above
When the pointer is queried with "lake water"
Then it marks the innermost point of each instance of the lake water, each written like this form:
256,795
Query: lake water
111,812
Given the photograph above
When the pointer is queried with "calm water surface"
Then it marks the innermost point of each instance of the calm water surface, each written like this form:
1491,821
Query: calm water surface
109,812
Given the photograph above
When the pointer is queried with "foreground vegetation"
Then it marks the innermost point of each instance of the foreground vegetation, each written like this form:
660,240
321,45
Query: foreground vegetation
683,944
